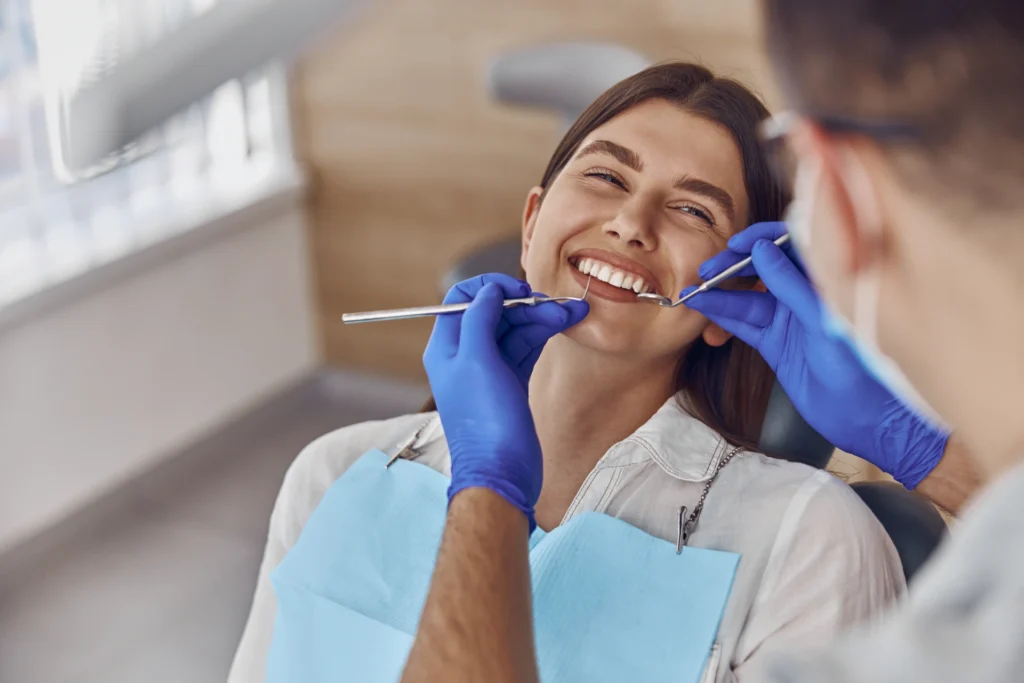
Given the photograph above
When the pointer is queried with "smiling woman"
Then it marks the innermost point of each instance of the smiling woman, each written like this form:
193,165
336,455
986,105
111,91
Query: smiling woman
709,182
641,410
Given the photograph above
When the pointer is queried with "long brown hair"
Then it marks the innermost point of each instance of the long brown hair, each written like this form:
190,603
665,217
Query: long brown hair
726,387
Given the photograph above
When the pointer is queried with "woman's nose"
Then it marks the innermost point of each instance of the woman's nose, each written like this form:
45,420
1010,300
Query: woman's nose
632,226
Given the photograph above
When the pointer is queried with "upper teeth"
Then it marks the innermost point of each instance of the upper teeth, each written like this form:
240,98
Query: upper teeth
613,276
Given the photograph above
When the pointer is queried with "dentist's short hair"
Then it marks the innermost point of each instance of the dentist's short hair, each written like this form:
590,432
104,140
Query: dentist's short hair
952,69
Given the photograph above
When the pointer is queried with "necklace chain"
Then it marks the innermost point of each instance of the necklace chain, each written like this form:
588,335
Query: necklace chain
686,527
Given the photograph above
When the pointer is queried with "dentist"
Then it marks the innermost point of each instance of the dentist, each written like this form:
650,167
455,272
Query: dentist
906,153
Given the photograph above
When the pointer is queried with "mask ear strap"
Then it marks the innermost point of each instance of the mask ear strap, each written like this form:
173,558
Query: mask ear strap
801,207
867,292
867,284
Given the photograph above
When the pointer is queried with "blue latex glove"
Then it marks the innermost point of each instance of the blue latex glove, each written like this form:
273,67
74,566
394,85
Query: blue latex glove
823,378
479,365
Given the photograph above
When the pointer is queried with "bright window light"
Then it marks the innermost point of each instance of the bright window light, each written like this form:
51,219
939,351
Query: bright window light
54,222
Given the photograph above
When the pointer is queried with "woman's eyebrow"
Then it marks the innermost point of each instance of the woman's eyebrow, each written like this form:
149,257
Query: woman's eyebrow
623,154
712,192
631,159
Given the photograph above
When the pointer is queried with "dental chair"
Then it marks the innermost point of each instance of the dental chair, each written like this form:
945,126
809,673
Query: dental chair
566,78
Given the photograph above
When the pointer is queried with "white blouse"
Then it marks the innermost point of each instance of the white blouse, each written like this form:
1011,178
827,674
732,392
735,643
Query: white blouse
814,560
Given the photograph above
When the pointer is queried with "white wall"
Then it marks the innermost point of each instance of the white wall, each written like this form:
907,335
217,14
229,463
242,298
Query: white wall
102,386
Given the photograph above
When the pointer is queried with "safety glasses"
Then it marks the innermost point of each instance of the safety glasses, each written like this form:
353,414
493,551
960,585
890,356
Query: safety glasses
775,130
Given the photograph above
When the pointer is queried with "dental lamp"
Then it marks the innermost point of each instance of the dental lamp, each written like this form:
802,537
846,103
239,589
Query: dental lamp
126,100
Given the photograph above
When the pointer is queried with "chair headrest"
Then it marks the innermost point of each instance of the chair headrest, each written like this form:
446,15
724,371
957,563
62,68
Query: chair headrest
785,433
565,77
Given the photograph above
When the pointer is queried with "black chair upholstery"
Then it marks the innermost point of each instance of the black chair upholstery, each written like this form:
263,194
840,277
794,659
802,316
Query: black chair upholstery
912,523
785,433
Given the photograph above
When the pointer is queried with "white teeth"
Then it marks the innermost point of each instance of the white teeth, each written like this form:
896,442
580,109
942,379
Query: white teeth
606,273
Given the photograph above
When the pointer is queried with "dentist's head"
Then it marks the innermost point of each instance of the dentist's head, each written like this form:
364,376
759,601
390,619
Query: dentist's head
907,141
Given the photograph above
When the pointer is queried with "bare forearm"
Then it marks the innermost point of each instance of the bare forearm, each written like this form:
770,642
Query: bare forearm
954,480
477,622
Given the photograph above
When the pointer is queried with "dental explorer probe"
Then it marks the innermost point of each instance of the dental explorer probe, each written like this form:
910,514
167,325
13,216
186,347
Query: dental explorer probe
709,284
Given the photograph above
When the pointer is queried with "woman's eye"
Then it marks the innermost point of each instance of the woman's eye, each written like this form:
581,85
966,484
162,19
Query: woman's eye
699,213
606,177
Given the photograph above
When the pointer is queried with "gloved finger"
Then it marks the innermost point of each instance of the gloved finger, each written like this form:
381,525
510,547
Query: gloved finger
739,247
728,258
787,283
743,242
744,314
562,315
520,342
752,308
467,289
445,338
722,260
478,335
550,314
527,364
443,343
578,310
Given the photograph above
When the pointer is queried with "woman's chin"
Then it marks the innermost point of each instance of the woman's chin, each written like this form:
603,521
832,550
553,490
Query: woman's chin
613,338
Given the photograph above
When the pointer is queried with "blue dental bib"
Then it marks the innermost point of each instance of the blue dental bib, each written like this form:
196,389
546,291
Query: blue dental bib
610,602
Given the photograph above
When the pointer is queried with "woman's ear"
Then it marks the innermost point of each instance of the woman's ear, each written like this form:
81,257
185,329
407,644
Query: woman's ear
714,335
530,212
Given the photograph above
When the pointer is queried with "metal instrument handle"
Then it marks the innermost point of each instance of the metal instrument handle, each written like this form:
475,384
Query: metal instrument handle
424,311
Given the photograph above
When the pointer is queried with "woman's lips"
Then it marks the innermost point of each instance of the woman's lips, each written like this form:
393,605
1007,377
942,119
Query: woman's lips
612,276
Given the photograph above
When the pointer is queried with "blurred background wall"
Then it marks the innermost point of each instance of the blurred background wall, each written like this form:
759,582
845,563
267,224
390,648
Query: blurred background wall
411,163
97,392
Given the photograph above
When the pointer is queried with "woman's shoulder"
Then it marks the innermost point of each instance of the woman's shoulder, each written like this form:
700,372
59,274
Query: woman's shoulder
815,514
815,499
826,524
830,565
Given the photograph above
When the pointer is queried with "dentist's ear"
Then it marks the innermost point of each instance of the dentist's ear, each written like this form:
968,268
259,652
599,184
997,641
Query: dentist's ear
862,202
850,198
530,212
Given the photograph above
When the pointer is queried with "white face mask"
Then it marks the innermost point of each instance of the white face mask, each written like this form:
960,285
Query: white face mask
862,335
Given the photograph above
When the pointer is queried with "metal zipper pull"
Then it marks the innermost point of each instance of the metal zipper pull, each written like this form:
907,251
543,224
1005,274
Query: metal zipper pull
683,534
405,448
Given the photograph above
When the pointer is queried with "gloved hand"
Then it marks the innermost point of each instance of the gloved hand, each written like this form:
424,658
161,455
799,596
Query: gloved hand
479,365
823,378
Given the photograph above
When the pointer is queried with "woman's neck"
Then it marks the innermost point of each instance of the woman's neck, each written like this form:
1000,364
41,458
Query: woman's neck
583,402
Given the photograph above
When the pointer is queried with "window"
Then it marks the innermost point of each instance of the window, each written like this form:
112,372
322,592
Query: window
224,151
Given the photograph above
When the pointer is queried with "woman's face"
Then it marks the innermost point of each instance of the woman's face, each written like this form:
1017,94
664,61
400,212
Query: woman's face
645,200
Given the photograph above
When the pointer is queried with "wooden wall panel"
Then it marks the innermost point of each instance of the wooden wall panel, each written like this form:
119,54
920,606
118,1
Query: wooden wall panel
412,165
